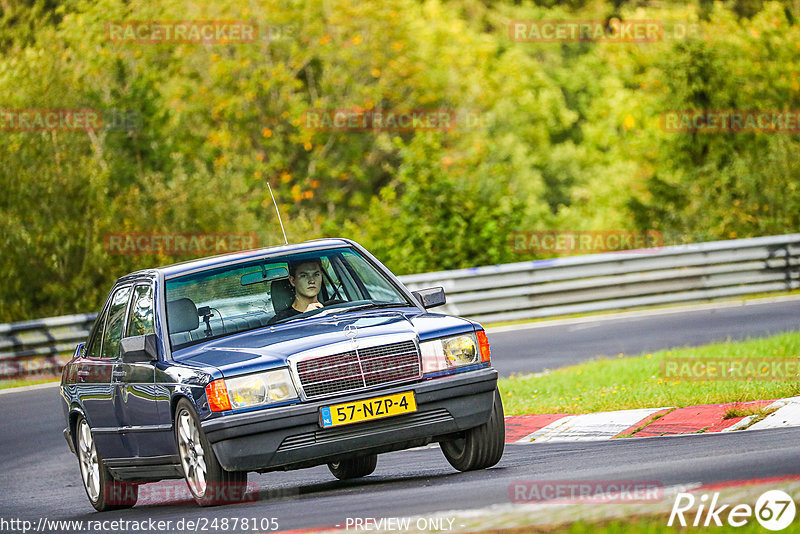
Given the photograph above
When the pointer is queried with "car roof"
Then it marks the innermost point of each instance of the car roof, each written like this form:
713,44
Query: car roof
186,267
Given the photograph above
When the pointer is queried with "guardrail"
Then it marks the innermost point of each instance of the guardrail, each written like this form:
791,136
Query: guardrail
628,279
524,290
41,346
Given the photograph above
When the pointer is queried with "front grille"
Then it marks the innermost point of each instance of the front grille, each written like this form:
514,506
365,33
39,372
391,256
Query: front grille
359,368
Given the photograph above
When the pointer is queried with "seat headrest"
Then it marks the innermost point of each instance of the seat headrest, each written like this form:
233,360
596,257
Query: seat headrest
182,315
282,293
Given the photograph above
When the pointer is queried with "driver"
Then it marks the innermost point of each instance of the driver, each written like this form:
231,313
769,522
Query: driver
306,278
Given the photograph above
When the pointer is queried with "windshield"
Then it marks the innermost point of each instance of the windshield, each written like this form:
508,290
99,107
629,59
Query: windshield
228,300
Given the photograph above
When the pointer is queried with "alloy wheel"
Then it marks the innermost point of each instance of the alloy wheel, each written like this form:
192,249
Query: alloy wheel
192,454
90,466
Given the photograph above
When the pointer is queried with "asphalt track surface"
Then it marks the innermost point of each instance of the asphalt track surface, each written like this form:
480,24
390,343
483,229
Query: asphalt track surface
40,477
535,349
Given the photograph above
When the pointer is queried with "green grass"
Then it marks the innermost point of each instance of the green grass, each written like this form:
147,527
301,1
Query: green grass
760,415
5,384
738,411
637,382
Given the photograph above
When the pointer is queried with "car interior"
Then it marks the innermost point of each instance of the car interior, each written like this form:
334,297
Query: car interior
186,326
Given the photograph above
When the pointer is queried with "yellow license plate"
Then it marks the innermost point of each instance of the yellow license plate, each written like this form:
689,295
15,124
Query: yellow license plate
367,409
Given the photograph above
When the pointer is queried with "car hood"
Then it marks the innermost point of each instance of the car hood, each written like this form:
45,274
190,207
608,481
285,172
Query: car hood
269,347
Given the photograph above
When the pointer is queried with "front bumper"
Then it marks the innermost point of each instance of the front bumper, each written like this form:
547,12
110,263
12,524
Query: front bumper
291,437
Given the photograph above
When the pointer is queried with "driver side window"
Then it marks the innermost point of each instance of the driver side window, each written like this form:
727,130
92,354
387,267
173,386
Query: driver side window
140,321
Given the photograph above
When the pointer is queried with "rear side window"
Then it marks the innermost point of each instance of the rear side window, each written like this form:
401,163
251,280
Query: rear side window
93,348
140,320
114,323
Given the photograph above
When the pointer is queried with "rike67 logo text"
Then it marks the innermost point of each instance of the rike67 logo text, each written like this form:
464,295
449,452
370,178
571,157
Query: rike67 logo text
774,510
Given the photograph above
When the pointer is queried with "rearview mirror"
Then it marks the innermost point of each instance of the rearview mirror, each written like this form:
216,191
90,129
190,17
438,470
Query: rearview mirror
139,349
264,276
431,297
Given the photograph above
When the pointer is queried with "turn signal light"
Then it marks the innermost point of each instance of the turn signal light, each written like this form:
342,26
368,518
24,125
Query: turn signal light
217,394
483,344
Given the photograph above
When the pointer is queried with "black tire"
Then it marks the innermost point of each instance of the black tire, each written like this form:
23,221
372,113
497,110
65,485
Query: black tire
480,447
104,492
354,467
209,483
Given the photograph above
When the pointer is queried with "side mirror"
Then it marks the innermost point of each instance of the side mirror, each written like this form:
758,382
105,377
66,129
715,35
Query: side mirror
431,297
80,351
139,349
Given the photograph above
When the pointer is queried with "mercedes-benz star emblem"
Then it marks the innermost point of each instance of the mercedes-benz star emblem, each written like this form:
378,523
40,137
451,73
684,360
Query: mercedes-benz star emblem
351,331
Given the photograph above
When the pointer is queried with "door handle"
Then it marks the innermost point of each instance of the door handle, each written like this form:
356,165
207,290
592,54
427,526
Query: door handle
83,373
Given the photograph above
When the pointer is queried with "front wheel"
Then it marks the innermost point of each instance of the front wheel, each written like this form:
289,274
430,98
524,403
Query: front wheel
354,467
208,482
103,491
480,447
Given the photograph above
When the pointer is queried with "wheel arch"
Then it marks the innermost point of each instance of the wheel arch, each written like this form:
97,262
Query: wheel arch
176,398
75,412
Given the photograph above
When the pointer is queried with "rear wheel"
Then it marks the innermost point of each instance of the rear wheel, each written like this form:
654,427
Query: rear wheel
208,482
103,491
480,447
354,467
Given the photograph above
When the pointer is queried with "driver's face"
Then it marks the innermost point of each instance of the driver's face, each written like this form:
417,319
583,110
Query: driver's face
307,280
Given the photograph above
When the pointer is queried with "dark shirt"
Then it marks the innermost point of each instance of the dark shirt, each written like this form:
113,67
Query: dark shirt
284,314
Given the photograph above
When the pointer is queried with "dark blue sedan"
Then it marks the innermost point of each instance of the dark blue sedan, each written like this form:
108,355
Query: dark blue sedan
273,359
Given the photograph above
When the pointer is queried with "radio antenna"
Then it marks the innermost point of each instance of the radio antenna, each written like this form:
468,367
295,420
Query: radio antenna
279,214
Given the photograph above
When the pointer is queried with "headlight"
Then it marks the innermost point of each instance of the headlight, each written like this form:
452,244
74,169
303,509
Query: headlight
251,390
449,353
